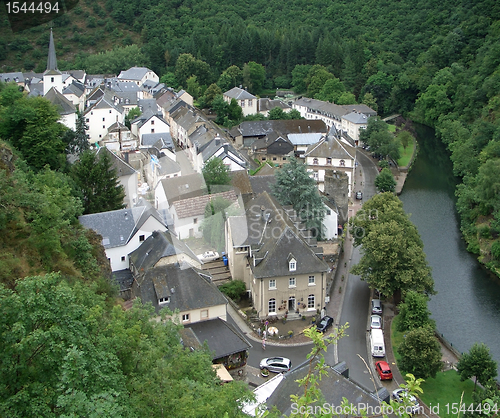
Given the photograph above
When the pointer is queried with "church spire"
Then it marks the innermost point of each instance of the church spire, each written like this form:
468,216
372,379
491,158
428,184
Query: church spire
52,61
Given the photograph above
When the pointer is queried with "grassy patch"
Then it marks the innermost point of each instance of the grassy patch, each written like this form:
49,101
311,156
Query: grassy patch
396,339
392,128
447,389
406,154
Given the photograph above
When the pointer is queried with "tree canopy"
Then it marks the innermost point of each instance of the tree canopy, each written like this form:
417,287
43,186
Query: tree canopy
393,260
97,183
477,363
295,187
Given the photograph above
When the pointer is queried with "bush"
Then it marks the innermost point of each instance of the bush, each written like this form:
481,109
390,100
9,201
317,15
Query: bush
235,289
495,250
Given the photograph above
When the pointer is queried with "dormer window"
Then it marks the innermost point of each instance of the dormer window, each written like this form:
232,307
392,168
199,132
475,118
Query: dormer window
315,161
292,265
163,300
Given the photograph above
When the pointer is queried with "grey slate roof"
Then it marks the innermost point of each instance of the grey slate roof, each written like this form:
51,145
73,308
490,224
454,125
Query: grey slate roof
122,168
228,151
105,102
168,166
150,140
361,108
64,106
184,187
285,127
76,88
18,77
270,139
275,234
117,227
187,288
239,94
331,110
157,246
134,73
334,388
331,147
222,338
51,60
124,278
357,118
262,183
267,104
195,206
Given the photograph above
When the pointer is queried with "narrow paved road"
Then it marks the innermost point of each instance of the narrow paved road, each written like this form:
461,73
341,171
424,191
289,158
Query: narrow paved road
356,307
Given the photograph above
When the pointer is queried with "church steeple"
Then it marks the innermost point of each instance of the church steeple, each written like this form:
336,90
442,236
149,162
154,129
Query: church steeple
51,60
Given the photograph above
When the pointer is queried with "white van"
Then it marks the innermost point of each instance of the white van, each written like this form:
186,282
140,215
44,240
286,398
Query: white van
377,343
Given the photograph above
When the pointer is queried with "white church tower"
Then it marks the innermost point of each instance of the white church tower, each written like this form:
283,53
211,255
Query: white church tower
52,77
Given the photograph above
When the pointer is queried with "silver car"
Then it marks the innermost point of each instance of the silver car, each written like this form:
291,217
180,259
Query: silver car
376,306
400,395
376,322
276,364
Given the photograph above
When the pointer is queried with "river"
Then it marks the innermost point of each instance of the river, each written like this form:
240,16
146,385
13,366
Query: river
467,306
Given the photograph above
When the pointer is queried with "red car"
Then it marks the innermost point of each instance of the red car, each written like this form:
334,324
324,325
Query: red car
383,370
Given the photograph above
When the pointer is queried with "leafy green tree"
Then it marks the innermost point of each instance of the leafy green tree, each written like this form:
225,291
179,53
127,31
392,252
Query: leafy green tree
114,61
380,140
193,87
254,76
420,353
216,172
405,138
385,182
299,76
97,183
234,112
131,115
413,312
235,289
316,79
277,114
477,363
393,259
187,66
370,101
295,187
32,126
231,77
212,91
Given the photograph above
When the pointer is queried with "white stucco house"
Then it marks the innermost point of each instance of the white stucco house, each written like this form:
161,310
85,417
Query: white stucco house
248,102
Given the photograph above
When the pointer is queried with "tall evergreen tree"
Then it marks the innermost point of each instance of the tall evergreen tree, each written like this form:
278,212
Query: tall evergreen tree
295,187
80,140
97,182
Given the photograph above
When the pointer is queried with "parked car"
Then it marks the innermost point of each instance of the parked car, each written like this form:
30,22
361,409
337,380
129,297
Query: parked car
208,256
376,322
376,306
359,196
401,394
383,370
325,323
276,364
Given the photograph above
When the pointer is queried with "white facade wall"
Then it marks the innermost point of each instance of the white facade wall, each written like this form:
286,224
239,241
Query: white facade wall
195,315
69,121
154,125
330,224
187,227
99,120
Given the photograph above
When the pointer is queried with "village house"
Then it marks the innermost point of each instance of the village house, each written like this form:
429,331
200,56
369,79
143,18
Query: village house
138,75
248,102
277,258
332,152
123,231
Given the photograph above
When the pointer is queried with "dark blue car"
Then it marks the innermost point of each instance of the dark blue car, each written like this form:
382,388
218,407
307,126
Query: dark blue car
325,323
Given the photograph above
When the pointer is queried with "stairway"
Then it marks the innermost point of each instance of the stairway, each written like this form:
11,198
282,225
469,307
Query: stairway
220,273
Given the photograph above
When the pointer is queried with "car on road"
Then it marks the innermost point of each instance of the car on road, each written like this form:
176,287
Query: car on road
383,370
276,364
400,395
376,307
359,196
325,323
208,256
375,322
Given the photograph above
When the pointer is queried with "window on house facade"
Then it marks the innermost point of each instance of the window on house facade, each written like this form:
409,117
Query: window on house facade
342,163
163,300
142,238
274,158
104,119
291,282
109,110
185,317
249,103
204,314
329,161
242,103
272,305
312,280
51,79
87,120
328,212
152,130
315,161
315,175
195,220
310,302
292,265
123,258
272,283
152,122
